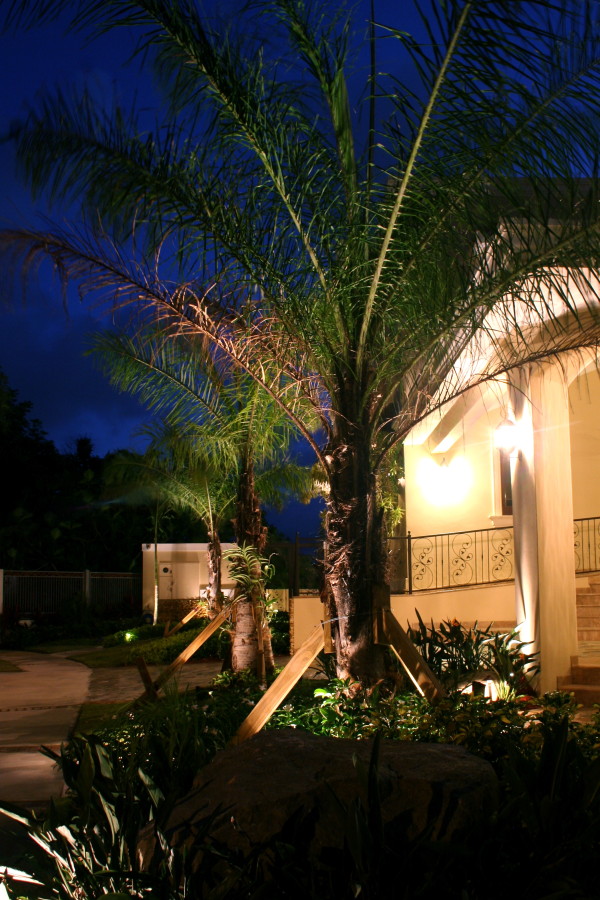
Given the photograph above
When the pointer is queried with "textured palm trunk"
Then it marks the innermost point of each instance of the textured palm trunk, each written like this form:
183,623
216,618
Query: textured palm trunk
355,566
251,647
214,593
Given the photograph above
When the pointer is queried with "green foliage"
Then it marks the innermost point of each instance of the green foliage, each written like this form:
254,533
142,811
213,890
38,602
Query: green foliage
251,573
131,635
279,625
164,650
128,777
83,626
457,654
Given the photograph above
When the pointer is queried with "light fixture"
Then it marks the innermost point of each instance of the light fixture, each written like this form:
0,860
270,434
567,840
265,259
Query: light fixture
447,483
506,436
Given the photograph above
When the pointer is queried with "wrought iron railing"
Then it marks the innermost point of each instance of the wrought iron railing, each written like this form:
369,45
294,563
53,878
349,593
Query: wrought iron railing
483,556
459,559
586,538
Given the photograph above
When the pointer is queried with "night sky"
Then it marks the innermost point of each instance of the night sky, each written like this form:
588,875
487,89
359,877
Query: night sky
42,349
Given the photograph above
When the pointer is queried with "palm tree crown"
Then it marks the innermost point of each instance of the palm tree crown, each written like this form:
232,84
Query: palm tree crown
343,268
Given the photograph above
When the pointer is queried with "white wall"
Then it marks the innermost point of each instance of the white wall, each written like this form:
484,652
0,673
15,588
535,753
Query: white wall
182,572
453,490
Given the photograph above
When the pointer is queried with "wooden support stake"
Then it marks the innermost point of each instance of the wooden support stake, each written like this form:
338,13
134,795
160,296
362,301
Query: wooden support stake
327,635
281,687
187,652
416,667
193,612
146,678
381,605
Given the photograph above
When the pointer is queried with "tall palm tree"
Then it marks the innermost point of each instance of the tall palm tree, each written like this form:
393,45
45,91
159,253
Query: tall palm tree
356,260
220,450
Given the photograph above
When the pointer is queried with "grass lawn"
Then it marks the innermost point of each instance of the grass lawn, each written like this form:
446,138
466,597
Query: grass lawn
6,666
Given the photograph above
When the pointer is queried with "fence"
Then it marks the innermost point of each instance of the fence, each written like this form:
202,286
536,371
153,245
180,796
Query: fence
52,593
416,563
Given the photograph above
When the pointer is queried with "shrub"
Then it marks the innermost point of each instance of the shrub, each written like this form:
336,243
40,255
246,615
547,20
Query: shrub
130,635
44,631
279,624
457,654
165,650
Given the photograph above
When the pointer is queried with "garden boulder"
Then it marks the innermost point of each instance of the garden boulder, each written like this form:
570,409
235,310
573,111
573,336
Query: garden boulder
252,790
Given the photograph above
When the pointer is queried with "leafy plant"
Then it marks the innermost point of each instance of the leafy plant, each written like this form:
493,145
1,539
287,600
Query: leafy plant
457,654
165,650
130,635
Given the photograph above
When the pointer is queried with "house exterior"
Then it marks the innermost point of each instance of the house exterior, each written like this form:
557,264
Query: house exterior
503,498
502,489
502,493
182,577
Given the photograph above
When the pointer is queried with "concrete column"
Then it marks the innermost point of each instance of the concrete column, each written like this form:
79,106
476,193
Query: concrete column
525,513
554,513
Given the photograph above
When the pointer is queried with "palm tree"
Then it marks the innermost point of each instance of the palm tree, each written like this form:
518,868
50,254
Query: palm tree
219,451
342,266
157,476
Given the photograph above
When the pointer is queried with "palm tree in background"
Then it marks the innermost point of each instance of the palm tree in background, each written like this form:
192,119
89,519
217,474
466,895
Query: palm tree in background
340,244
220,449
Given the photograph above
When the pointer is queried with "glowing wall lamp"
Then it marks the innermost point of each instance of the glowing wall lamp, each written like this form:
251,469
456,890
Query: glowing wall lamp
444,484
506,436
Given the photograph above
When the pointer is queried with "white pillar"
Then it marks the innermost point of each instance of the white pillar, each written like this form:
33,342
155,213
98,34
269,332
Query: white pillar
525,514
554,513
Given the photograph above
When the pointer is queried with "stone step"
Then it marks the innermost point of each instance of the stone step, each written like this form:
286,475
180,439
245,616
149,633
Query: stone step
587,598
588,634
588,619
583,673
586,694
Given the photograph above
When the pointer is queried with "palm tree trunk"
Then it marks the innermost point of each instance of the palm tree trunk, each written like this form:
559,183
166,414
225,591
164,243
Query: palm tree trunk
249,642
356,556
214,594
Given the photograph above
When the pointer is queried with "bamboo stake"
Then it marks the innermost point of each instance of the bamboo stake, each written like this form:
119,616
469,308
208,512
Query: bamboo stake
281,687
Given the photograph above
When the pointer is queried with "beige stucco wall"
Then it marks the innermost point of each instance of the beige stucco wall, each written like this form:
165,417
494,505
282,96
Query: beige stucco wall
584,403
455,490
484,605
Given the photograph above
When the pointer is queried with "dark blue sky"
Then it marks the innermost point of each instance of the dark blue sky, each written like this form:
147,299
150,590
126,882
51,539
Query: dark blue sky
42,349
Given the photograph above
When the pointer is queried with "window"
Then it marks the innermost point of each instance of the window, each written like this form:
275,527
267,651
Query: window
505,483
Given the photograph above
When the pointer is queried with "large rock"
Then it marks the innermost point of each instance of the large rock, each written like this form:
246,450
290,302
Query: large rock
254,788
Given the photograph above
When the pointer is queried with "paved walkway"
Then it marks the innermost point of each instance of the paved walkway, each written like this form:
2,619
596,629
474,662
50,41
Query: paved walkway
39,705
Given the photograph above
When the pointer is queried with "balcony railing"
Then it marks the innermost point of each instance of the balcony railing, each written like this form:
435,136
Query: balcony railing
459,559
467,558
586,537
